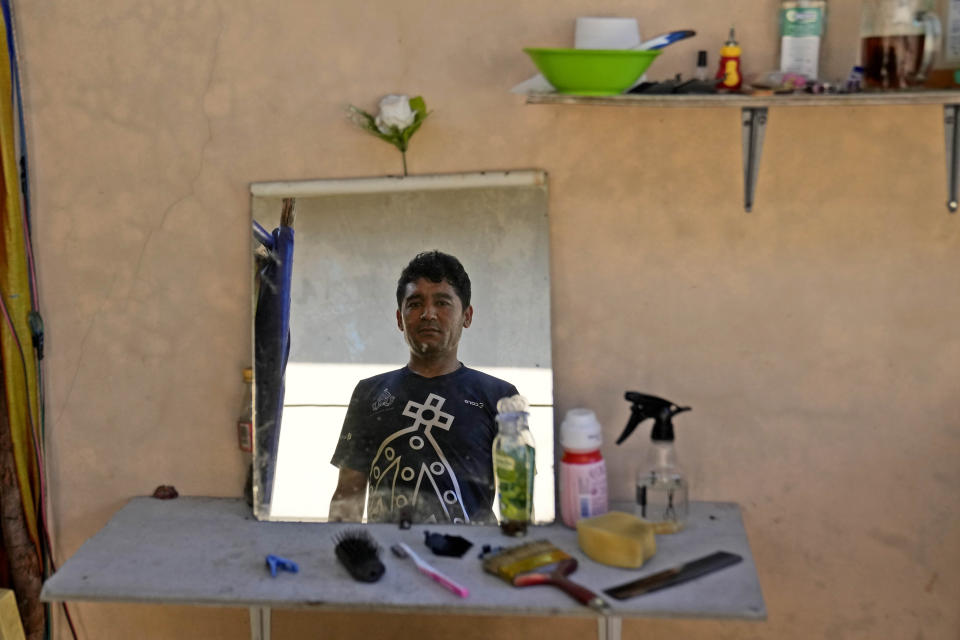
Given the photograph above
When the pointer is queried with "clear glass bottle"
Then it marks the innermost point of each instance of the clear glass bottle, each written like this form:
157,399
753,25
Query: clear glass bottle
245,432
527,435
662,489
513,466
701,73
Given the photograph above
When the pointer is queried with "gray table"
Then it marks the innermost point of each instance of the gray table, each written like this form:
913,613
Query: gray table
211,551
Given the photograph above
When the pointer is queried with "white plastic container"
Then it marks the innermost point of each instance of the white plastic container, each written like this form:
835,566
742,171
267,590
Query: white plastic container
802,27
583,473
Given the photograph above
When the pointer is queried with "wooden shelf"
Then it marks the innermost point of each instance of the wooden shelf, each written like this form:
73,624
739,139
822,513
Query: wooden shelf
865,99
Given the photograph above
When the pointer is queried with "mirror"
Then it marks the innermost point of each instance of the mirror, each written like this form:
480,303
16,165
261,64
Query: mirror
349,242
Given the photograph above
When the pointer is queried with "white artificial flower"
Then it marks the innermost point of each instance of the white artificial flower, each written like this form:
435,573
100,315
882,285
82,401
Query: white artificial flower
395,111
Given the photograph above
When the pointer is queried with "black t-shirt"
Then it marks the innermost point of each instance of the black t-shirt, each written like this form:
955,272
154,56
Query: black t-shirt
425,444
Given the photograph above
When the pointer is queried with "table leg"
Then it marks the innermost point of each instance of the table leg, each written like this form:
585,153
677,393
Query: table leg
259,623
608,627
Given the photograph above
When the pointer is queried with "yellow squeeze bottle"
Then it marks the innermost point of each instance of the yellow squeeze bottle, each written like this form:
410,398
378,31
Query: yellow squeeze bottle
729,76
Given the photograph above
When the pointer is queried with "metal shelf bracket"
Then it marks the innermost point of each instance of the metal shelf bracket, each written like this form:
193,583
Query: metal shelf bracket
754,125
951,115
754,120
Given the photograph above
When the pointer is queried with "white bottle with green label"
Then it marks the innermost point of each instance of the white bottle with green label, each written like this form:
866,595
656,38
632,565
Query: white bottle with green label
802,27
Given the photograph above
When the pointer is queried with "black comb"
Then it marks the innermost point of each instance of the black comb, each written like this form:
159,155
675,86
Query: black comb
358,552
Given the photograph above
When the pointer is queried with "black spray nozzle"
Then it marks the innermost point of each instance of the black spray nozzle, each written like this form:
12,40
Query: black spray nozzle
647,406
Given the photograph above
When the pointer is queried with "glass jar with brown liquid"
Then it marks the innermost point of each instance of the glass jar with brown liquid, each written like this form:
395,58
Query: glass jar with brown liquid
898,42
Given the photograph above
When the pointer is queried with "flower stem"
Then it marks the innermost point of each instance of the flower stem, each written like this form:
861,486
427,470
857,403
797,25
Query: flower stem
403,156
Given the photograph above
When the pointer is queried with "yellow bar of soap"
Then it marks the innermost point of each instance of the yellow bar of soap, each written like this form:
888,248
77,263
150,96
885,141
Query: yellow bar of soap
617,539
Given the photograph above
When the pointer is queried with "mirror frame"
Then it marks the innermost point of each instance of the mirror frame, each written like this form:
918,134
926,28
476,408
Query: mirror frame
385,185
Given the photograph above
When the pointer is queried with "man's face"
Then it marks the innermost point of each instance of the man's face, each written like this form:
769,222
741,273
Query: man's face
432,317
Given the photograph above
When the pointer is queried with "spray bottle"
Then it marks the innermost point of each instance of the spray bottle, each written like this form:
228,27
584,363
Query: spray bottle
661,484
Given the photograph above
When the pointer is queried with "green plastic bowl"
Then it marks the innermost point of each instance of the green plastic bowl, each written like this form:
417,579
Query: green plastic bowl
591,72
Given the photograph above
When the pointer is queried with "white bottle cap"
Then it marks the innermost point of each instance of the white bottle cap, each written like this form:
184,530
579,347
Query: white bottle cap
580,431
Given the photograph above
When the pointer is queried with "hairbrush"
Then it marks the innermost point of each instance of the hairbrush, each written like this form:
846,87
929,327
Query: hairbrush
358,552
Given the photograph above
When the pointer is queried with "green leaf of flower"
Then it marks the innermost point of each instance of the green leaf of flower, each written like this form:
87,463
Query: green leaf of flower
417,104
419,107
361,118
369,124
412,129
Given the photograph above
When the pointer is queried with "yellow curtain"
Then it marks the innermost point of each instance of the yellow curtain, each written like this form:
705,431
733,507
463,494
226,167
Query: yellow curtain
20,378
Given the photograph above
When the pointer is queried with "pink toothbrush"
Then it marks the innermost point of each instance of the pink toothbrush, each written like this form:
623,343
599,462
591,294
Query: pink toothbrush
401,550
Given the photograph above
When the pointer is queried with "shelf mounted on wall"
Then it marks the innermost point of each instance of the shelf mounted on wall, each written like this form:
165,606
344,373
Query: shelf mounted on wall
951,132
754,126
755,114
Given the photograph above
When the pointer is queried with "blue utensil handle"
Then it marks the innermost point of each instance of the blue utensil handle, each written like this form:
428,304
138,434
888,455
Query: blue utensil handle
664,39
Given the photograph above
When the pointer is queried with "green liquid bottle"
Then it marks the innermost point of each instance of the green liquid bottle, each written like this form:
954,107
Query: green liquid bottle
513,467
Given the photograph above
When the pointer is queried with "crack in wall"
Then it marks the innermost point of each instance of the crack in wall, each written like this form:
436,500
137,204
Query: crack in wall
138,264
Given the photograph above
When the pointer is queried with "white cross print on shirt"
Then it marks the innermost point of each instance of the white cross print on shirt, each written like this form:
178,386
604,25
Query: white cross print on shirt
405,481
434,417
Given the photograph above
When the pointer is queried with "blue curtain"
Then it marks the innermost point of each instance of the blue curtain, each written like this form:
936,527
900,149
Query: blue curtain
272,348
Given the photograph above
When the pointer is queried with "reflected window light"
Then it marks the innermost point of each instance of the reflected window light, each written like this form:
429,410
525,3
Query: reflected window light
317,397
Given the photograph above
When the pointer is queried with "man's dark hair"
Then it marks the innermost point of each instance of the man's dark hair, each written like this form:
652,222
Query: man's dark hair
435,266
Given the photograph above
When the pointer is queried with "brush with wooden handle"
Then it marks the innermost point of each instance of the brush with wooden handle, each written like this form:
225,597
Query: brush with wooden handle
525,565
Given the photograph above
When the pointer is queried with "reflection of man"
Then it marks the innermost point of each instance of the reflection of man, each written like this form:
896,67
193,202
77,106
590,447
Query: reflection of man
421,436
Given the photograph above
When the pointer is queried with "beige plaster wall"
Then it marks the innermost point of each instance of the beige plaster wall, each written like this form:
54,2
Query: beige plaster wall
816,338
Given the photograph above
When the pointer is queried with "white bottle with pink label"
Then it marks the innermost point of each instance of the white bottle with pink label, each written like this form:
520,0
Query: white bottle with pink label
583,473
